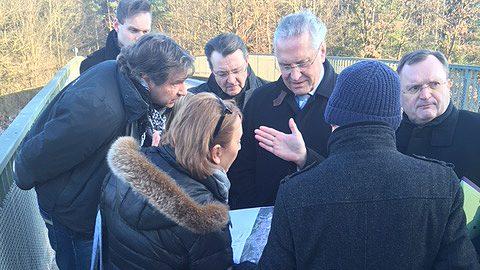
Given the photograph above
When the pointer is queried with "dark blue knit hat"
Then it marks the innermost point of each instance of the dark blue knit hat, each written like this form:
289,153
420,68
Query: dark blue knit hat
365,91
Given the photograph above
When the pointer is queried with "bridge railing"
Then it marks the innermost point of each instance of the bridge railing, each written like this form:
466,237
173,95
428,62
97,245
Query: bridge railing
23,236
465,89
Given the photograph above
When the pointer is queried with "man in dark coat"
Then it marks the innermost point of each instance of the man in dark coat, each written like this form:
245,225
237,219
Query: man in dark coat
134,19
63,156
431,125
301,94
367,206
232,77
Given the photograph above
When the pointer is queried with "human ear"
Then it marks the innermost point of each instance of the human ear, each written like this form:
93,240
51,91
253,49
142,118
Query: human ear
216,154
115,25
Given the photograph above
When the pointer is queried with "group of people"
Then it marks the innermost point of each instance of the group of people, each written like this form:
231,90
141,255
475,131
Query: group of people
356,182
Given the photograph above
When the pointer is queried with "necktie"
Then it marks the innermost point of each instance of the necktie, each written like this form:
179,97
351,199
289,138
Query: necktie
302,100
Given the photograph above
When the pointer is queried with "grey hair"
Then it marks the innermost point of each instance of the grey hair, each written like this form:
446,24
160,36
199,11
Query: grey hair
225,44
420,55
156,56
129,8
298,23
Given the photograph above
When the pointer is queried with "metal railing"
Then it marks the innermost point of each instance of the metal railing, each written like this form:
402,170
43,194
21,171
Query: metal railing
23,236
465,89
17,130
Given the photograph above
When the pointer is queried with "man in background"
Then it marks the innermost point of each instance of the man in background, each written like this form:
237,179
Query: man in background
232,77
133,20
432,126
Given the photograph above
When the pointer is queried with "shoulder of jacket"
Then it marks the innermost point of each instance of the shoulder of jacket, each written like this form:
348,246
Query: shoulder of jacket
436,161
261,82
307,168
97,53
269,90
199,88
473,116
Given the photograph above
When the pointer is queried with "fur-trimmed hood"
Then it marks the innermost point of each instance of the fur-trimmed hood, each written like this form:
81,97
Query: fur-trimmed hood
161,191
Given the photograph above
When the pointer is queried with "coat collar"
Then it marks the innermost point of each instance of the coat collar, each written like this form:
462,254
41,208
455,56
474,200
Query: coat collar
134,103
129,164
211,182
112,50
442,128
324,89
361,136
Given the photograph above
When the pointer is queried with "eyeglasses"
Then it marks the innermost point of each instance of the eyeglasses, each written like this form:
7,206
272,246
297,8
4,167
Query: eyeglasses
301,65
224,74
225,111
414,89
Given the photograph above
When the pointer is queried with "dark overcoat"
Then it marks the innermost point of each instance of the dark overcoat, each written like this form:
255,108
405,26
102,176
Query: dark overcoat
452,137
109,52
256,173
368,206
64,154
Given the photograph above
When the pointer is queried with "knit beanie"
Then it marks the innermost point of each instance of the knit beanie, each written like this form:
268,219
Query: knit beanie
365,91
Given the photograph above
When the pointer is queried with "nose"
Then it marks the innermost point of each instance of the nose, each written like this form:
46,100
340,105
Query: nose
425,93
182,91
295,74
139,35
231,78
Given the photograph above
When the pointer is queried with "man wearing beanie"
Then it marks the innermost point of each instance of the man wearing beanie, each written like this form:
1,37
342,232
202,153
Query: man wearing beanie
367,206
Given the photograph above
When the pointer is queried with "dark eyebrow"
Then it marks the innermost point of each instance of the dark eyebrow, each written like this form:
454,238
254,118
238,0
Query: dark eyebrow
133,28
180,80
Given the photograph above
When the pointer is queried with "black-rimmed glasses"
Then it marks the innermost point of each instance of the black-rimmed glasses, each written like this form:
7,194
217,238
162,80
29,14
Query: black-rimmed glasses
225,111
224,74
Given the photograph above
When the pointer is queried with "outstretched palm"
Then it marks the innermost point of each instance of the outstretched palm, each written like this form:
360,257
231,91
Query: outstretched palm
289,147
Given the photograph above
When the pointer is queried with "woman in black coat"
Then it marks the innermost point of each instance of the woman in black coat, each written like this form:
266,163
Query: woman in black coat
165,207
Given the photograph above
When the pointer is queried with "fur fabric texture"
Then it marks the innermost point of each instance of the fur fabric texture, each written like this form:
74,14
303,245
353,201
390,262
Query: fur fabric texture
128,163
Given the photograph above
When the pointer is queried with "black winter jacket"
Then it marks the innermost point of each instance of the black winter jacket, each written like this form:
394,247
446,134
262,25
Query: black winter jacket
158,217
109,52
63,155
367,206
452,137
256,173
211,86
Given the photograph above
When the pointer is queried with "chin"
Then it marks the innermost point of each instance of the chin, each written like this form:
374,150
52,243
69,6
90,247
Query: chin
427,117
300,91
234,92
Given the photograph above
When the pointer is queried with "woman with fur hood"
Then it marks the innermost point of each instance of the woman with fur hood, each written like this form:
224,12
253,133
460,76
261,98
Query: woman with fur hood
165,207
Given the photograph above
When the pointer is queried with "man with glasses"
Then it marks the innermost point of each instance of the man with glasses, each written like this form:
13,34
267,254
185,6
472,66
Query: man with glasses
298,97
134,19
431,125
232,77
367,206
